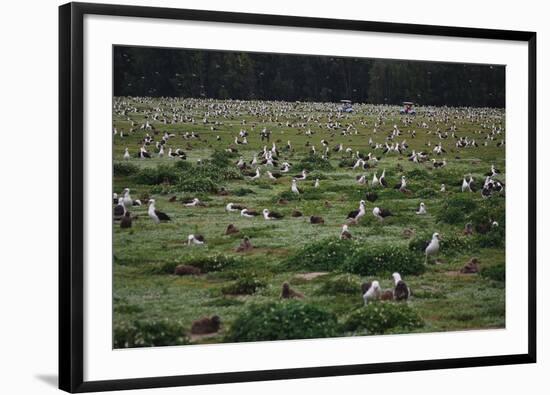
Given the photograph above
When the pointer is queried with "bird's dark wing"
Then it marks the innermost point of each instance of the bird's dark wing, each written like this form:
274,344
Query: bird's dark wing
353,214
385,212
119,211
162,216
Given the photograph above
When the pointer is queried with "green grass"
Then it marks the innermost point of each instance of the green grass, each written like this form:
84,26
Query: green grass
146,291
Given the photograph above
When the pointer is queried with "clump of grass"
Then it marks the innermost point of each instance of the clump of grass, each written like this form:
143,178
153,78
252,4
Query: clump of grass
495,273
282,320
342,284
168,174
124,169
197,183
127,308
213,263
495,238
426,193
246,284
325,255
418,174
149,333
449,244
379,318
384,259
346,162
456,209
243,192
312,162
354,257
223,302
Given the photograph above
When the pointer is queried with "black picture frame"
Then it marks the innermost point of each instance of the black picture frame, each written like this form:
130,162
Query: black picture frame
71,224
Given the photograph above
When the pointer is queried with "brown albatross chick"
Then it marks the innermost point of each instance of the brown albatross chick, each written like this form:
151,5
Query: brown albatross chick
126,221
231,230
471,267
315,219
245,245
206,325
289,293
187,270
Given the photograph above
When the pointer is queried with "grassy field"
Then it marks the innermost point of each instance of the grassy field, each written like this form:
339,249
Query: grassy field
149,297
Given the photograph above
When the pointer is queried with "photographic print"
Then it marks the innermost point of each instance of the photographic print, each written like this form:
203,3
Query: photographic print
265,196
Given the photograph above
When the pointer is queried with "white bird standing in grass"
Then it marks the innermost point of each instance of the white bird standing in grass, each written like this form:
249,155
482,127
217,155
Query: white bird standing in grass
257,175
355,215
316,185
432,247
422,209
294,187
156,215
466,185
442,189
127,199
373,293
126,154
375,181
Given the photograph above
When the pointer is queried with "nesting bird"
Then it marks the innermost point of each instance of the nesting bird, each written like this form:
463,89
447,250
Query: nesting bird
206,325
372,293
195,239
345,234
269,215
421,209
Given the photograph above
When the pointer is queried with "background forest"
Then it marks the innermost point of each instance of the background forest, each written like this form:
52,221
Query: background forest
161,72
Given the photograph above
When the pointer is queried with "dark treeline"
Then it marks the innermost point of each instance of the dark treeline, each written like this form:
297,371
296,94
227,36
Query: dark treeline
242,75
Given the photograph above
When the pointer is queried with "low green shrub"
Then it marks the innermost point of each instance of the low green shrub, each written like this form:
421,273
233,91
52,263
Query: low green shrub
222,158
384,259
149,333
418,174
495,238
206,264
354,257
246,284
324,255
342,284
127,308
347,162
157,175
456,210
197,183
380,317
495,273
243,192
213,263
124,169
282,320
427,193
449,244
312,162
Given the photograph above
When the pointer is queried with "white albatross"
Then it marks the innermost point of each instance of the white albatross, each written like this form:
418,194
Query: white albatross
433,247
